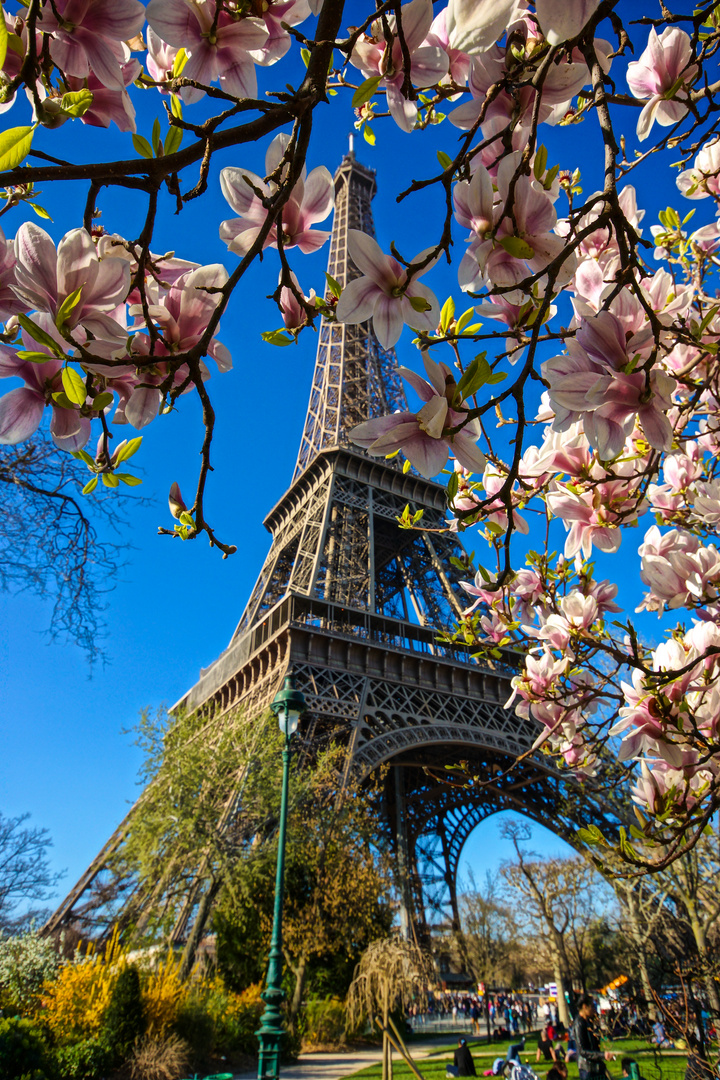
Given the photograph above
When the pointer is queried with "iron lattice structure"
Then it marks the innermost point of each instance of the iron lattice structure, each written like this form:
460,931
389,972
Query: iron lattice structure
352,603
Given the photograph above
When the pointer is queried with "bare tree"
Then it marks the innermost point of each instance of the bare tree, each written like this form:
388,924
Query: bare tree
489,937
25,872
691,883
49,542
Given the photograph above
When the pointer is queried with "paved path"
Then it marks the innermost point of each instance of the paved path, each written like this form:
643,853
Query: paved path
335,1066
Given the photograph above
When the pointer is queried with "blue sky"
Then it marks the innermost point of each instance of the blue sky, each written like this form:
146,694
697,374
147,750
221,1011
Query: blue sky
67,758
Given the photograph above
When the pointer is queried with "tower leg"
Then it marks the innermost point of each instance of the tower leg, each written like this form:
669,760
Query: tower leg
402,855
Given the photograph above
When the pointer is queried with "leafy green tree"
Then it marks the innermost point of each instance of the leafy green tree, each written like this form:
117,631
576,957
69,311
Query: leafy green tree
124,1020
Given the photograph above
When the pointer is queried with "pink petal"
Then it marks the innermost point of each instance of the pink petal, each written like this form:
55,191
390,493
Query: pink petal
319,197
417,18
36,267
20,414
240,195
77,262
101,58
369,259
426,455
357,301
563,20
175,21
387,320
142,406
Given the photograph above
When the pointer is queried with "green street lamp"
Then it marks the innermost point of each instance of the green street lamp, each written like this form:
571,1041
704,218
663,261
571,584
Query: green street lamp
288,705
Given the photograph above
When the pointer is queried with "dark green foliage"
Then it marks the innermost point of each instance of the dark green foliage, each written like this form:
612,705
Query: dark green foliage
124,1021
195,1026
23,1051
86,1060
241,946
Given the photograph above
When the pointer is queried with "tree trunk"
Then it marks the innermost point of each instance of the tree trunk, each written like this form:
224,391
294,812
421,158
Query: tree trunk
299,971
700,940
560,980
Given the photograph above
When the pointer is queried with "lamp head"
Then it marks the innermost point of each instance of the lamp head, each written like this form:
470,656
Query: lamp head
288,705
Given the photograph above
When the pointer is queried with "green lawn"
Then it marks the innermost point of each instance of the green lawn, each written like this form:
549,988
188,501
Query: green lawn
654,1064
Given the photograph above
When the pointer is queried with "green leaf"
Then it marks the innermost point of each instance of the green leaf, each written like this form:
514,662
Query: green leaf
551,176
156,135
180,61
186,519
173,140
129,479
447,313
40,211
419,303
444,159
101,401
276,337
365,91
176,106
464,320
476,374
142,146
3,40
333,286
452,487
496,377
90,486
34,357
76,103
110,480
517,247
305,54
74,386
68,305
38,334
369,135
540,163
82,455
406,466
131,447
15,146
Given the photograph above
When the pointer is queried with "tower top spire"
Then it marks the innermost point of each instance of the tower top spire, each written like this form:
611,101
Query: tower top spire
351,143
355,378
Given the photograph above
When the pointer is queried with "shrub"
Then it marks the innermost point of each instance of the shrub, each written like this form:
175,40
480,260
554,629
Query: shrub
26,962
236,1017
324,1021
124,1019
195,1026
85,1060
23,1051
163,994
75,1002
159,1059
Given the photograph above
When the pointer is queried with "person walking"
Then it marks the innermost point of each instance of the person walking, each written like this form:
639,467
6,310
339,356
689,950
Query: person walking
590,1058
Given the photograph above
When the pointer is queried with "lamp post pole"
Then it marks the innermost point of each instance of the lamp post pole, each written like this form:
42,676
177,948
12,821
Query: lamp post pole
288,706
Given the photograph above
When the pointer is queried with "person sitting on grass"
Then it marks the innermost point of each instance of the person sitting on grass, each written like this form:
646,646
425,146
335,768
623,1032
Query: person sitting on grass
558,1071
514,1049
463,1060
546,1049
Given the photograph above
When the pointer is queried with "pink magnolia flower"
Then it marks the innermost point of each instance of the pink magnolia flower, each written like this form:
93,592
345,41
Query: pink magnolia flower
217,48
507,248
290,12
383,293
679,569
429,63
160,57
293,313
703,179
426,437
21,410
661,76
591,382
458,61
311,200
46,277
182,317
589,517
110,105
87,35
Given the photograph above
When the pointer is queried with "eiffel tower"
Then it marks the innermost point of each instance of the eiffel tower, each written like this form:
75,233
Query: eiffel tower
352,604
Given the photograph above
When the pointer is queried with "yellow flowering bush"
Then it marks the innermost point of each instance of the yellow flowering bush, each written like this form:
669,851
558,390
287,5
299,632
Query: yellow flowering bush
164,993
74,1002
